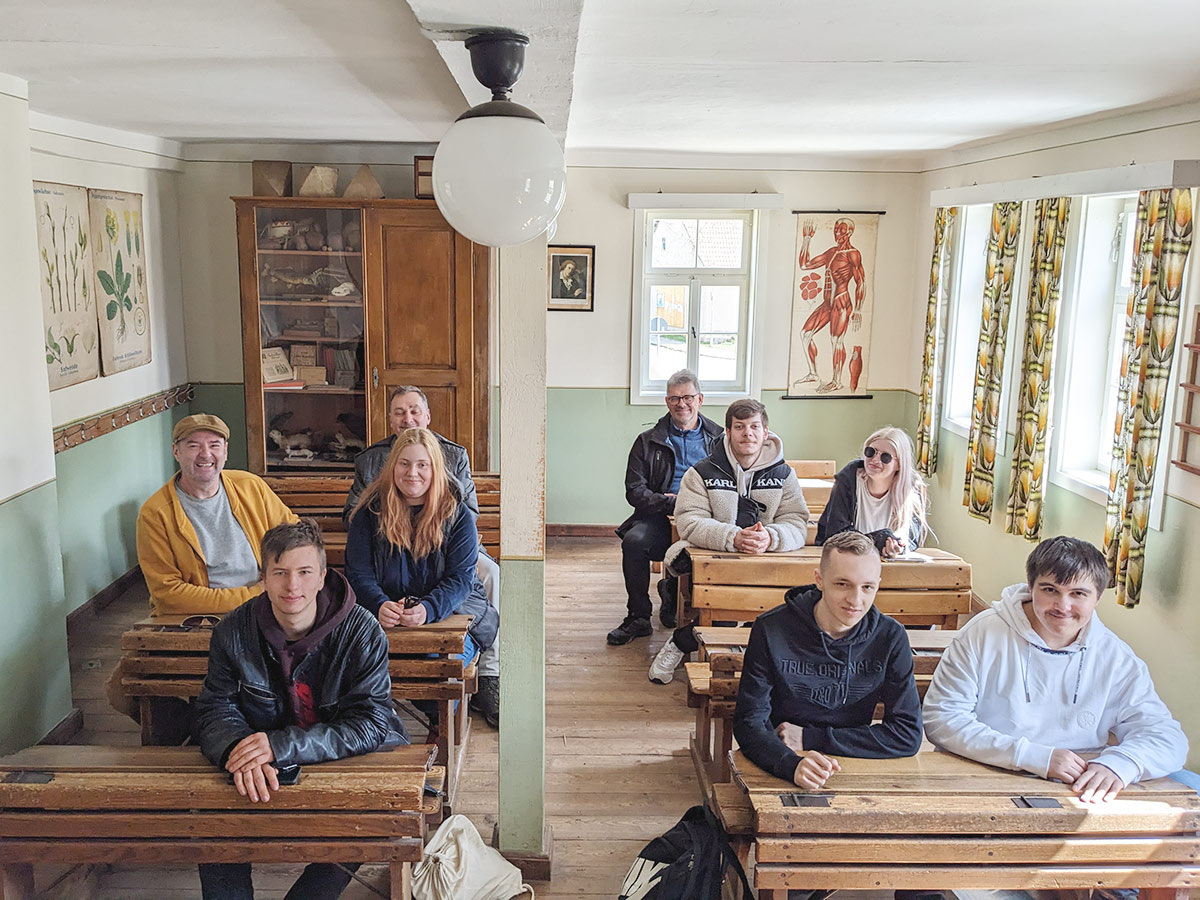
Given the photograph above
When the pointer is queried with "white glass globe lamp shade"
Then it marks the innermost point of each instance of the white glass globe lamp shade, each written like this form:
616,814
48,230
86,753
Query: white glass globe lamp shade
499,180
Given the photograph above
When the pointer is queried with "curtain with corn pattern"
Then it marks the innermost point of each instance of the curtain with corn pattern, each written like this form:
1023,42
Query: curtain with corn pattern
927,412
1161,244
1024,513
989,361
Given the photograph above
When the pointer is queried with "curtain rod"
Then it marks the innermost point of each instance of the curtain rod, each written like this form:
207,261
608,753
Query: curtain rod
839,212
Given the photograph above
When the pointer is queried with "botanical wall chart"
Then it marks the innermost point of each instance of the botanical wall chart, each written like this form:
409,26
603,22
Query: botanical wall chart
119,253
833,299
68,305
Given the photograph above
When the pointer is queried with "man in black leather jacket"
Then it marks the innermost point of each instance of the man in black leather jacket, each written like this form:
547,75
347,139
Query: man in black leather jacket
296,675
657,461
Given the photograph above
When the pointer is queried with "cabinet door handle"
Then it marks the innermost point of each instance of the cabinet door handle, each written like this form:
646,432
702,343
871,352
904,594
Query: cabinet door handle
375,377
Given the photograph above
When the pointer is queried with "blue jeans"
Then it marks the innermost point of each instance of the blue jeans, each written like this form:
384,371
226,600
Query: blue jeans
470,651
231,881
1191,779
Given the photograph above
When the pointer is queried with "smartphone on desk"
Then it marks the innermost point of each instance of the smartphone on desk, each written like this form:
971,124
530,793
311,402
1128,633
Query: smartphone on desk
286,775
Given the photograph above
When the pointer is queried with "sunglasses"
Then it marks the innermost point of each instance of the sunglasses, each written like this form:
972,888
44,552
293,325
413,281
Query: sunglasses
884,456
200,622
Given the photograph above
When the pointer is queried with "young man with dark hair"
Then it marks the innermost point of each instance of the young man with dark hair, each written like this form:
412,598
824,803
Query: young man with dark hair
742,497
657,461
816,667
1038,683
297,675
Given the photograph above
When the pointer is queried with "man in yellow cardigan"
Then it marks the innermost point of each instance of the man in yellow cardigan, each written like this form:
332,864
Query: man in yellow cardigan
198,535
198,540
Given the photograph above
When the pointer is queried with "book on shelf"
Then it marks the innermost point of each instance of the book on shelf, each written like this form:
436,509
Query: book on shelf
275,365
291,385
303,355
311,374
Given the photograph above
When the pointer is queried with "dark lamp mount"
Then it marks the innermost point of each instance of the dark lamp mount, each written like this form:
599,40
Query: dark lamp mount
497,59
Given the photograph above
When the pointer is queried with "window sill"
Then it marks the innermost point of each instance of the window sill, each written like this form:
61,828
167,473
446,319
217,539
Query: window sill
961,427
1091,484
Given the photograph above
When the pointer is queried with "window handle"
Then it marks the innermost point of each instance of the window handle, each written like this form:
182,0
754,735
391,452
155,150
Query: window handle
693,330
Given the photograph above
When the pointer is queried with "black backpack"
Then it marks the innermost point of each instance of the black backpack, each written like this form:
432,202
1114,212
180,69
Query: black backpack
686,863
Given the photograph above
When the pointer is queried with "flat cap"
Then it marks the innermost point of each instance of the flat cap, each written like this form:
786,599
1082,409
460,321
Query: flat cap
199,422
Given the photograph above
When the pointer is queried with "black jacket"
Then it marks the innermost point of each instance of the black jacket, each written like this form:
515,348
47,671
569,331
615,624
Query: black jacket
794,672
842,508
338,675
651,468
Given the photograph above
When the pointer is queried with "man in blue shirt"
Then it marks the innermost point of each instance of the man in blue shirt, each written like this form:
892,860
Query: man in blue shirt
657,461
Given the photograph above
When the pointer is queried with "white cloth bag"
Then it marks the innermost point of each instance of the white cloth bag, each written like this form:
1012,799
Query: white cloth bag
458,865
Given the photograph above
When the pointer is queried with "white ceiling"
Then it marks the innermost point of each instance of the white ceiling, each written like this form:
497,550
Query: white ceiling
778,78
867,77
306,70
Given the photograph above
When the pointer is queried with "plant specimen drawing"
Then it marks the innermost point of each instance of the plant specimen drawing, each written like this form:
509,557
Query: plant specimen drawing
117,248
69,321
116,283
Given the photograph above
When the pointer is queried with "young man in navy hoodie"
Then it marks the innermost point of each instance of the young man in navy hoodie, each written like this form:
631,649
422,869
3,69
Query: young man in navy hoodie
815,668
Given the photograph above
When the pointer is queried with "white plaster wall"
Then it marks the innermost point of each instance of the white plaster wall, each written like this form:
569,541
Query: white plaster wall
27,455
74,160
592,349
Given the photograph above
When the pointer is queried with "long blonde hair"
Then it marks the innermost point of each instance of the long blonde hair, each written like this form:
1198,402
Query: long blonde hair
423,533
908,494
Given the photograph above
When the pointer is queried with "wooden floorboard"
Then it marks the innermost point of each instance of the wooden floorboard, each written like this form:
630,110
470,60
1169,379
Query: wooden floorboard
617,768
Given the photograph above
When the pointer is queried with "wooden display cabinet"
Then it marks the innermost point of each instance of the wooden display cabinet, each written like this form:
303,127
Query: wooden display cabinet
364,295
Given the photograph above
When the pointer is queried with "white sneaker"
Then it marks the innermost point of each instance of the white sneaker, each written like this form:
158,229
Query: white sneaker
662,670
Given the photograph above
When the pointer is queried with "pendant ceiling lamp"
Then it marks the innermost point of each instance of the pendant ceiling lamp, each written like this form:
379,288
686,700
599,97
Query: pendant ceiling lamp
498,174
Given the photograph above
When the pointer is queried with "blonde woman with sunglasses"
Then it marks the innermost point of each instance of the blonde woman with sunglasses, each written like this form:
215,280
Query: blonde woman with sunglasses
880,494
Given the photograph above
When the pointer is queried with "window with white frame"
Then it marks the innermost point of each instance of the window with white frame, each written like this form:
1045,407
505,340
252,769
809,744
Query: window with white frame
966,305
695,290
1092,339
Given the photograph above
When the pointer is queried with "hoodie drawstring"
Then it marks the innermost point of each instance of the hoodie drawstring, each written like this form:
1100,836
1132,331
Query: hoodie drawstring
1079,674
1078,670
846,666
1025,670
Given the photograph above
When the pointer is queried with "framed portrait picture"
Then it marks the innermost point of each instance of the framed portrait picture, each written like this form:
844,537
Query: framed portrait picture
571,273
423,177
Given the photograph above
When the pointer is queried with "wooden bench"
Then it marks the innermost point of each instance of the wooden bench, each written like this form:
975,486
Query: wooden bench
323,498
938,822
713,688
169,805
736,587
816,481
163,658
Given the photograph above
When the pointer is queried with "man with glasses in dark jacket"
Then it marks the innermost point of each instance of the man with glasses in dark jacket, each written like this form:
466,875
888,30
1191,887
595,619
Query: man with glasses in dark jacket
297,675
657,461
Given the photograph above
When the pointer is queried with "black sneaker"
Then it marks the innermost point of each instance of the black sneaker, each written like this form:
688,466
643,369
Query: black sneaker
486,700
628,630
666,593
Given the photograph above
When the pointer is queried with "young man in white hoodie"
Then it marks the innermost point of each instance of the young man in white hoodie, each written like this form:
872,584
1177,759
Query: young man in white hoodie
742,497
1038,683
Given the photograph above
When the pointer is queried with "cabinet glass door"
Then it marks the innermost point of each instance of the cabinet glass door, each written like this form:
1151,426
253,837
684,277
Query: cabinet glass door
310,292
